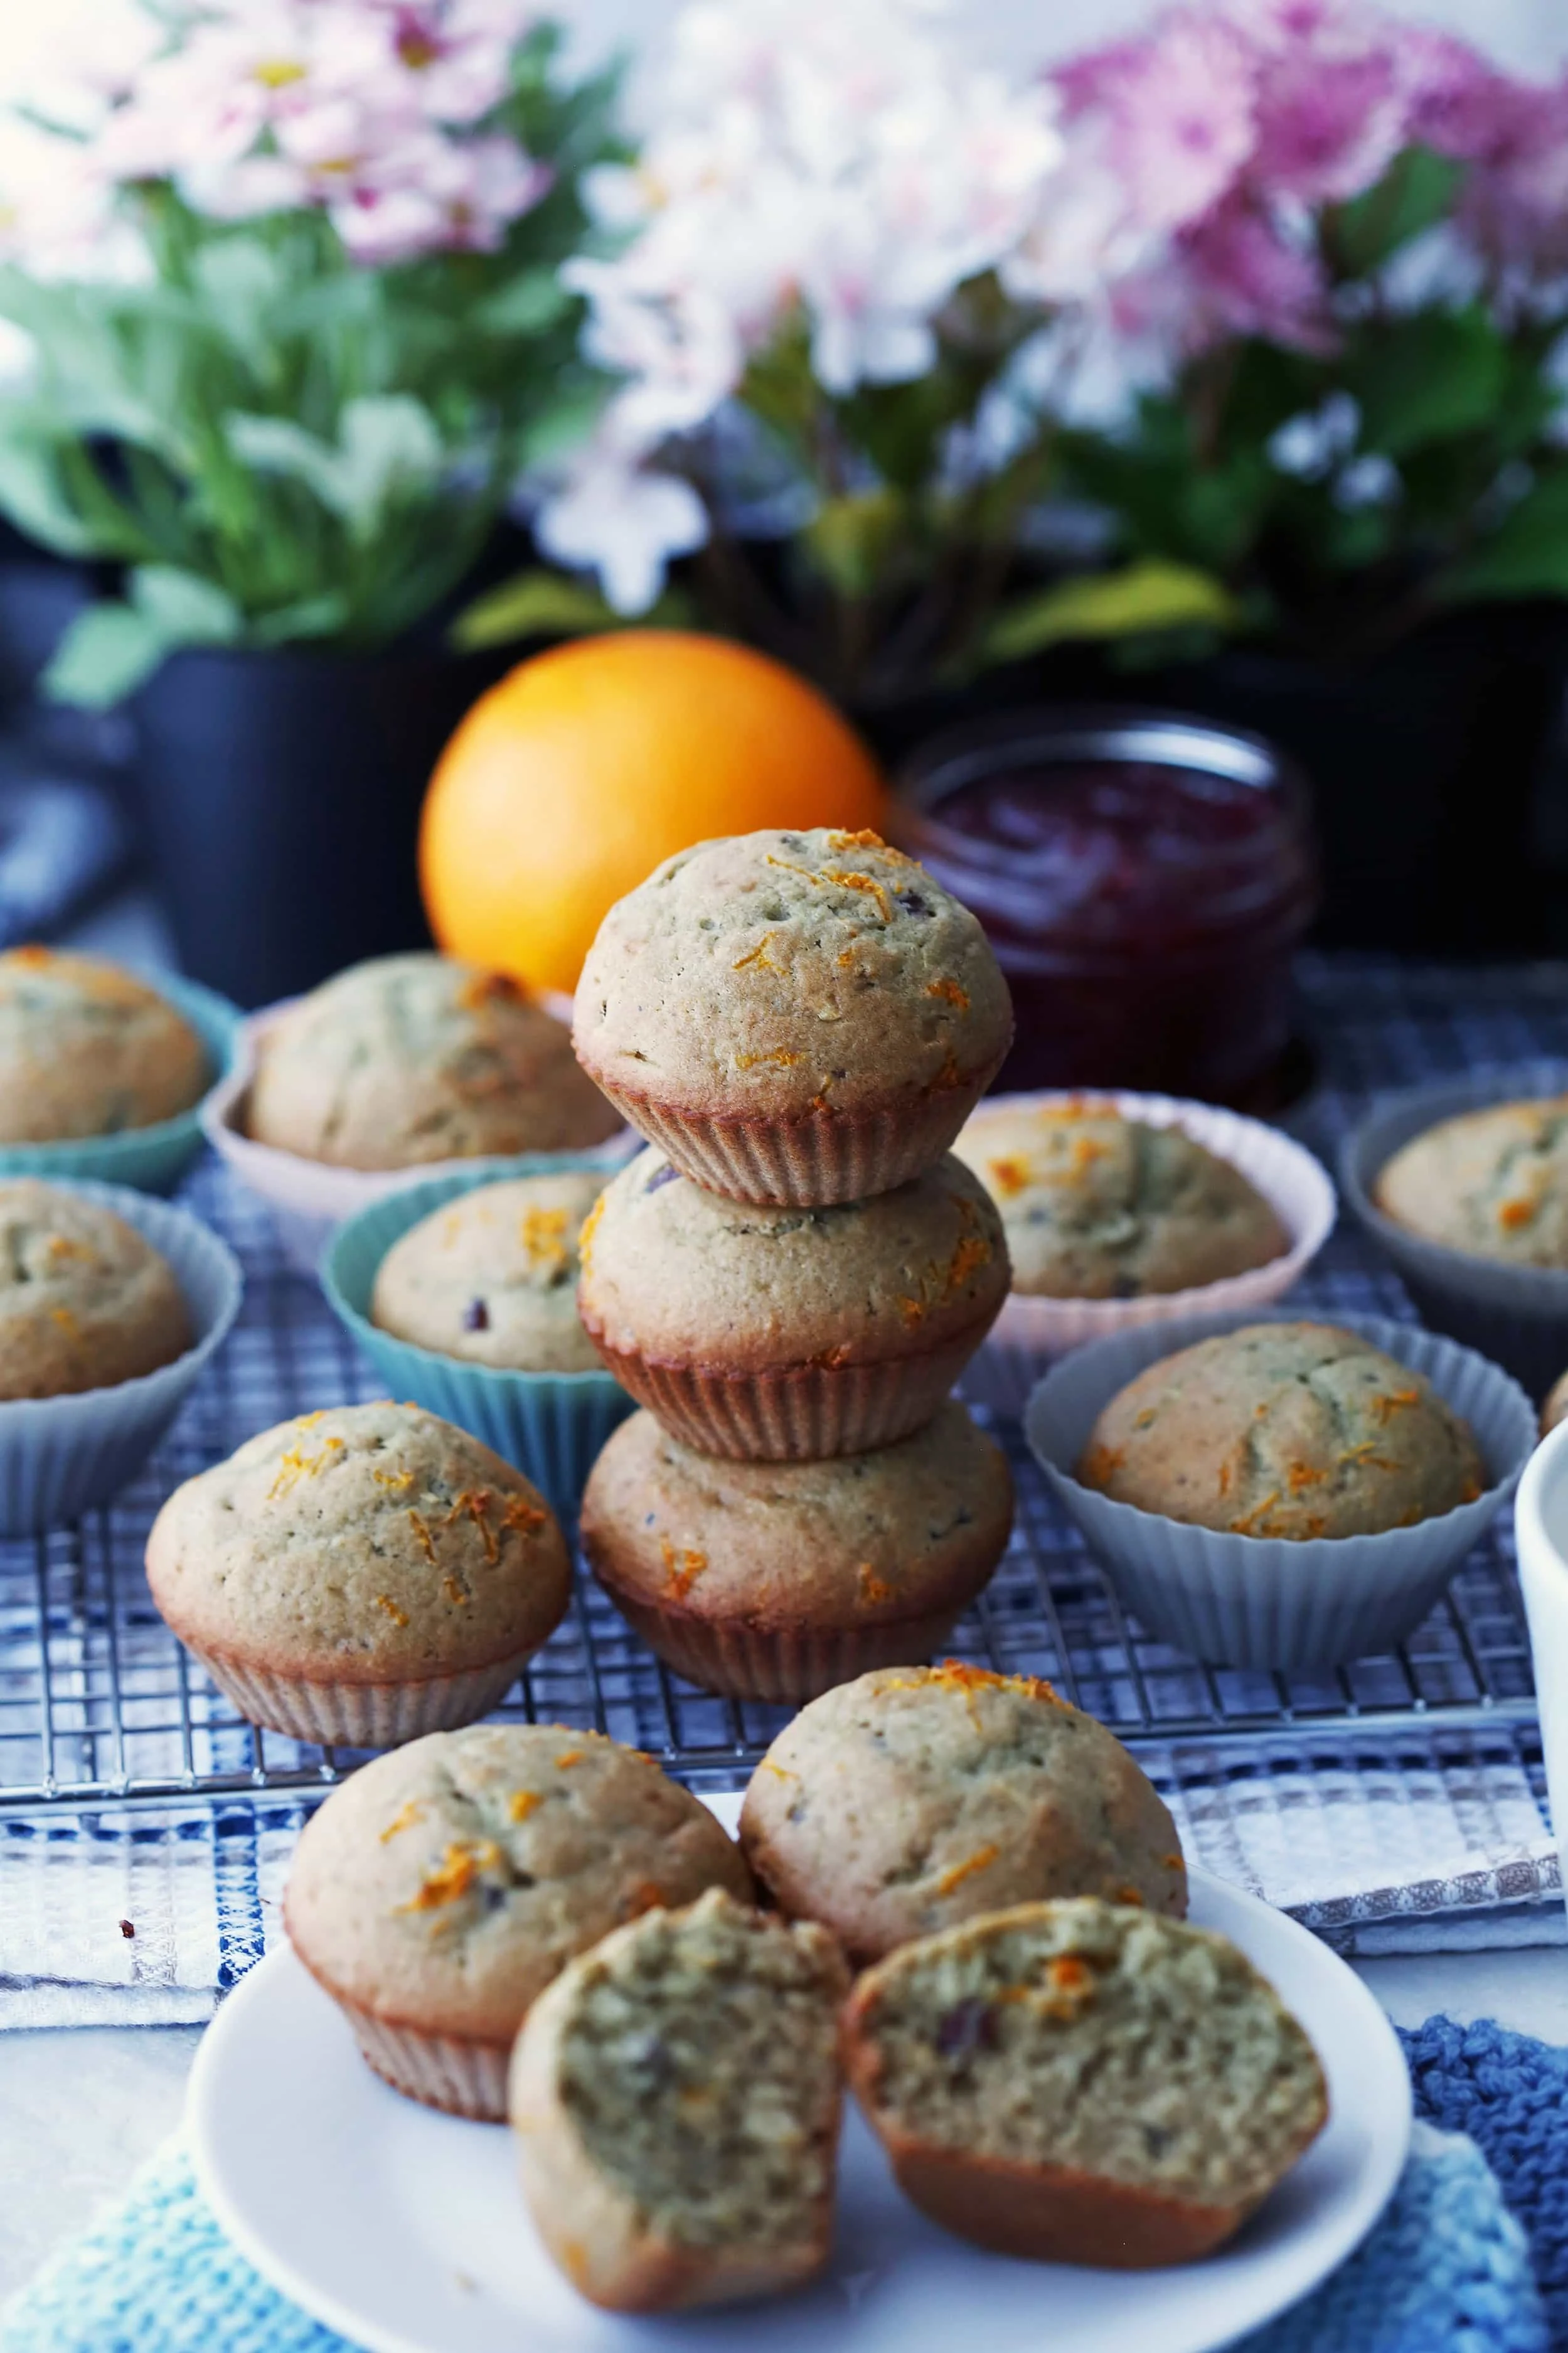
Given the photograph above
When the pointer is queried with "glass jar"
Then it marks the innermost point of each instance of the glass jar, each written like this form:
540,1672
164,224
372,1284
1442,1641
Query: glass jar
1144,879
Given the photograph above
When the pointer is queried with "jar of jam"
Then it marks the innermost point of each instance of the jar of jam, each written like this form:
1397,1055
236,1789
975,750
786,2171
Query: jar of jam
1144,879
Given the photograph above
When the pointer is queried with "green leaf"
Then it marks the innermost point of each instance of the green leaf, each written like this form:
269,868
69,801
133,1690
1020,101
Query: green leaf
533,300
105,655
850,539
387,447
1526,555
562,423
1415,194
33,497
1427,378
543,604
310,616
183,609
1146,595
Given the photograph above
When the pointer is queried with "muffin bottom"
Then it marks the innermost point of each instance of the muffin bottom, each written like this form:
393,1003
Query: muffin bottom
464,2079
804,1414
786,1664
359,1715
814,1161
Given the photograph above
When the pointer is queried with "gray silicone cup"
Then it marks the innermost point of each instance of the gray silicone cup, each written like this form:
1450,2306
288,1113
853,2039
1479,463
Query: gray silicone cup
550,1425
1516,1315
1268,1601
61,1456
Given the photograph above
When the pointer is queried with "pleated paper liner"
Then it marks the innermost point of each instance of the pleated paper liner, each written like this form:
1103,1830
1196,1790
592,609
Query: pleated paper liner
804,1414
358,1714
810,1162
1270,1601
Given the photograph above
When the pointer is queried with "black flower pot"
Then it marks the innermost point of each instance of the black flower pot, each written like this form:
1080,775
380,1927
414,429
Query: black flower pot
280,796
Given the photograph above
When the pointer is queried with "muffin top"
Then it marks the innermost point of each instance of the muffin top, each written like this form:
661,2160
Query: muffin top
410,1058
916,1796
1284,1429
85,1299
364,1544
1100,1207
773,975
1493,1183
85,1050
864,1539
492,1276
444,1885
672,1271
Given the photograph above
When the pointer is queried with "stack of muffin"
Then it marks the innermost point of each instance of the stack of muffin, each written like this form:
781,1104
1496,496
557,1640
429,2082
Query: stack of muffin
792,1275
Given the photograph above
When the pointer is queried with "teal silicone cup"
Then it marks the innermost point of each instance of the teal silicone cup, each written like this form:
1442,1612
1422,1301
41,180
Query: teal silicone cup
61,1456
153,1159
550,1425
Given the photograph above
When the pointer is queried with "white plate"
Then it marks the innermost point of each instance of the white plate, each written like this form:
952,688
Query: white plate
406,2230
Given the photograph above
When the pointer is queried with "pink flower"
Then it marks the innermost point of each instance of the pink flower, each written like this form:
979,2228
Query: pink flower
1179,110
1329,126
1244,278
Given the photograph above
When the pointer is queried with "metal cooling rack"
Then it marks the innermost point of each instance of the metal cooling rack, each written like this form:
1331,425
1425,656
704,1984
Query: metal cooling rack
100,1706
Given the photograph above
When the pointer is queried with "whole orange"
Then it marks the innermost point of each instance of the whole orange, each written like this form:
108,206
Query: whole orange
568,782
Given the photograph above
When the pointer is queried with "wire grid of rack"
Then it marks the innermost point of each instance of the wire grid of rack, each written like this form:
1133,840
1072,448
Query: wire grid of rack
100,1706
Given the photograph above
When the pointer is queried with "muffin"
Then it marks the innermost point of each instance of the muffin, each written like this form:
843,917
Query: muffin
1097,1206
771,1334
439,1889
775,1580
86,1302
1556,1406
1284,1429
797,1017
676,2094
362,1575
1083,2083
411,1059
492,1276
85,1050
918,1797
1492,1183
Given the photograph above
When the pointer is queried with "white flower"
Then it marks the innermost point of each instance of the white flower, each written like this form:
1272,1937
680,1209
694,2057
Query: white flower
625,525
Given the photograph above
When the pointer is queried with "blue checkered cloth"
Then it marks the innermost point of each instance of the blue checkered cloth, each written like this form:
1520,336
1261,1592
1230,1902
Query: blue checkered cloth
1448,2270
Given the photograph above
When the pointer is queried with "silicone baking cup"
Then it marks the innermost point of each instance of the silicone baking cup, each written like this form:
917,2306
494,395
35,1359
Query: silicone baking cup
310,1198
551,1425
152,1159
1267,1601
1518,1314
1296,1185
61,1456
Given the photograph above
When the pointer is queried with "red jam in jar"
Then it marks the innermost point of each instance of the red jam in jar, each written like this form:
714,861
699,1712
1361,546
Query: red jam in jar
1144,881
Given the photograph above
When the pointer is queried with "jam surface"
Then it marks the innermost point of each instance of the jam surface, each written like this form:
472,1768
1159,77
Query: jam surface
1144,912
1116,851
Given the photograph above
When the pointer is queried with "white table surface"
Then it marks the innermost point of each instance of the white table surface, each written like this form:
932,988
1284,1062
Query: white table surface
82,2106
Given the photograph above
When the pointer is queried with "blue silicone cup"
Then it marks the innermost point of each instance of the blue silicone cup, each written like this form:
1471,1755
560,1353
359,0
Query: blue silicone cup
550,1425
61,1456
153,1159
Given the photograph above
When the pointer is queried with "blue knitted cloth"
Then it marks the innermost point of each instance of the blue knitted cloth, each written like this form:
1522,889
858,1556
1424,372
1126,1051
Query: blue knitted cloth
1448,2270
